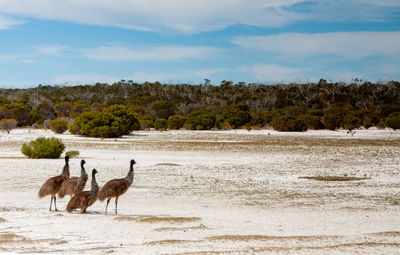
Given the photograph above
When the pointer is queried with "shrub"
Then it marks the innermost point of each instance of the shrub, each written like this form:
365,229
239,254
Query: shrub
72,154
146,122
288,123
393,120
161,124
176,121
351,122
114,121
58,126
331,121
8,124
312,122
200,120
235,122
43,148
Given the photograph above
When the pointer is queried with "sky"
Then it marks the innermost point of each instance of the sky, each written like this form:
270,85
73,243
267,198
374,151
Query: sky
69,42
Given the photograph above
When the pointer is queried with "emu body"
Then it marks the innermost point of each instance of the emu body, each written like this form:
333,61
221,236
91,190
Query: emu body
74,185
52,185
84,199
116,187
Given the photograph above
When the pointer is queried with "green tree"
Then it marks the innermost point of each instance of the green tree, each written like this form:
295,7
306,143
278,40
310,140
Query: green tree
163,109
8,124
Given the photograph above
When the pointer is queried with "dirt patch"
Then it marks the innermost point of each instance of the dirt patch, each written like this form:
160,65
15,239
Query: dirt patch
154,219
125,218
333,178
11,238
2,220
157,219
167,164
11,209
169,242
247,238
388,233
200,227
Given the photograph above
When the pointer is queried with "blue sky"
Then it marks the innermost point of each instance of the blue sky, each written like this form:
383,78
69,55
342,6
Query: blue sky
59,42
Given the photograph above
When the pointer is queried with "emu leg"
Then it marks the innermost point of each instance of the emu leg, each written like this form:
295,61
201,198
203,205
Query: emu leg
55,204
51,201
108,201
116,205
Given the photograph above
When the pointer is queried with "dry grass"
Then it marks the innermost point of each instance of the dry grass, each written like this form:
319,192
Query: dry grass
334,178
2,220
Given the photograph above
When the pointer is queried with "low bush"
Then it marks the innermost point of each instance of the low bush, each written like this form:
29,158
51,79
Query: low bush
114,121
288,123
72,154
176,121
43,148
58,126
393,120
200,120
161,124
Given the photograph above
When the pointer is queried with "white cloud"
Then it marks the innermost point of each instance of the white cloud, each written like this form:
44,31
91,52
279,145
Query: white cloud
50,50
190,16
7,22
348,44
164,53
274,72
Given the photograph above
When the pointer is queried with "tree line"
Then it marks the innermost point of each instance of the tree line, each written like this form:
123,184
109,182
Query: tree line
285,107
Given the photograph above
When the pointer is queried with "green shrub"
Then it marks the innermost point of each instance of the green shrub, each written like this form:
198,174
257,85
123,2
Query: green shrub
288,123
146,122
43,148
312,122
8,124
235,122
176,121
351,122
72,154
161,124
200,120
393,120
113,121
331,121
58,126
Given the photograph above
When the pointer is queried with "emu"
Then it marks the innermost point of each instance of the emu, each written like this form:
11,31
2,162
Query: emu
116,188
74,184
84,199
52,185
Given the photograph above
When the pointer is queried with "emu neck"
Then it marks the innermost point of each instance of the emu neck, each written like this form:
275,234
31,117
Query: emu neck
65,171
83,172
95,187
129,177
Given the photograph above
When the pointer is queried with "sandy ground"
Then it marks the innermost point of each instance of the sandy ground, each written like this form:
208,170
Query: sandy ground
211,192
